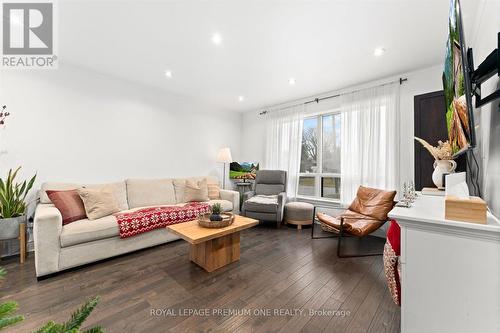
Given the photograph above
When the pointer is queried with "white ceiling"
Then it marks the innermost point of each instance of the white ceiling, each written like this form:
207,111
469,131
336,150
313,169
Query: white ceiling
324,45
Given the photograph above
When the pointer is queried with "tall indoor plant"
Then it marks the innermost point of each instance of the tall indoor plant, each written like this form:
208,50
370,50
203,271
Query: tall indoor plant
13,204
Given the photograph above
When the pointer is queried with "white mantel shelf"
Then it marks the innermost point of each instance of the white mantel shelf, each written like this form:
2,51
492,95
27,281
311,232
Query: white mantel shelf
450,271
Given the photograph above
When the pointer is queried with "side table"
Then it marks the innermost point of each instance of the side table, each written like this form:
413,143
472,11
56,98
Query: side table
22,242
242,188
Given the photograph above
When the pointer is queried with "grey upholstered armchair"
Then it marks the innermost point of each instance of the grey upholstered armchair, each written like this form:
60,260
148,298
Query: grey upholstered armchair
267,201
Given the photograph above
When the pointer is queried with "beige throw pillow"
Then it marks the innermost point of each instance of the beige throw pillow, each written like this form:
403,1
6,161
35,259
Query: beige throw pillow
213,191
196,191
98,202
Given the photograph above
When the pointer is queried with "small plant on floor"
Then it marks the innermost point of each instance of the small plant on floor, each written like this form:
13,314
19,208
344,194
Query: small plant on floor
7,309
216,210
75,322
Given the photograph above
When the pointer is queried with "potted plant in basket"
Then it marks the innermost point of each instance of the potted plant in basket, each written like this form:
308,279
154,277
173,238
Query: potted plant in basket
13,204
216,210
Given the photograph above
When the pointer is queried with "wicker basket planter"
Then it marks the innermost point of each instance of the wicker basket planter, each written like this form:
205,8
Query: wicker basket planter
204,221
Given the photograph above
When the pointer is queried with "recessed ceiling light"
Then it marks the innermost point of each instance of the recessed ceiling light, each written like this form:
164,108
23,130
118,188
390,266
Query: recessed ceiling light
379,51
216,39
291,81
241,98
168,74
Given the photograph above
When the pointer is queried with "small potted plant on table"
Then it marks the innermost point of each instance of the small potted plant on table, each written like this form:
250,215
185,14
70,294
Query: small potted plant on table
216,218
216,211
12,204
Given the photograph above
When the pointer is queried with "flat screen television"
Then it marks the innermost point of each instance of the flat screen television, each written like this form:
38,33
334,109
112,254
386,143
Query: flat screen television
243,170
457,86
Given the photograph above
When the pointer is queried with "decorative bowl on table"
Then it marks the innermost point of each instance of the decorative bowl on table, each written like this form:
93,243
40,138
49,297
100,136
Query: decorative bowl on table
226,220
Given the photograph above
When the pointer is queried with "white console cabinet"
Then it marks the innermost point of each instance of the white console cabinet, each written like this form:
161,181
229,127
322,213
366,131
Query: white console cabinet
450,271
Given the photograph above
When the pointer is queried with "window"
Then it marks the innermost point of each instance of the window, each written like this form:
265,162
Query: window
319,175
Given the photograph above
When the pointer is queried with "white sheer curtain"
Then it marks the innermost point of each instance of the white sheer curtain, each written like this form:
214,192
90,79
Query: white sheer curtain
283,139
370,140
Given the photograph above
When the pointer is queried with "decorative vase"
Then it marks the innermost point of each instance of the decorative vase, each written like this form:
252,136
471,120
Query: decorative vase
442,167
9,228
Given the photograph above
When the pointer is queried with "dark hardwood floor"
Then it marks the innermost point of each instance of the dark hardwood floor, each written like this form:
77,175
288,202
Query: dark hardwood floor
279,269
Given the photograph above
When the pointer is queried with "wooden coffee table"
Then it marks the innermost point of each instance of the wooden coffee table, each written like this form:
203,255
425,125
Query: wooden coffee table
213,248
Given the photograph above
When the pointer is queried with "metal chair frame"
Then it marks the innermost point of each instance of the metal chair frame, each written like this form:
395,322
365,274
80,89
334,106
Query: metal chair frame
342,235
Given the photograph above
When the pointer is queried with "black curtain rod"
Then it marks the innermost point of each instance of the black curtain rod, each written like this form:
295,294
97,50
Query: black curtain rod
317,100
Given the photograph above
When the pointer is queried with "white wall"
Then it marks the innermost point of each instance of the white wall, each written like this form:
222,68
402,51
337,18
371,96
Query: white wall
483,41
419,82
72,124
253,137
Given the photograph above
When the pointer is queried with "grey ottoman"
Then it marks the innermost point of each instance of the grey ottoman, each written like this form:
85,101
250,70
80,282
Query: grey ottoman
299,213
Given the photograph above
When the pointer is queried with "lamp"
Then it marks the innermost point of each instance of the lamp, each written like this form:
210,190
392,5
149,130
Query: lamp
224,156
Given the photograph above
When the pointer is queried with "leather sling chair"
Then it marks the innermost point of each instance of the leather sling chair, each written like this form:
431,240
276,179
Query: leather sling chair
367,213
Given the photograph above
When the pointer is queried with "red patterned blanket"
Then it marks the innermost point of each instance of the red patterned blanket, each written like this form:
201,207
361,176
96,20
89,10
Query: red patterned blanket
392,264
147,219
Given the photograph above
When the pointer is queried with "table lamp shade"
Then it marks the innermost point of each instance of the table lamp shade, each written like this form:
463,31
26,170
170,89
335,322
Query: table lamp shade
224,155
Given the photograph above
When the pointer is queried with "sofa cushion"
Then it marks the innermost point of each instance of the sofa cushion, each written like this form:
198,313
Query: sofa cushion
373,202
269,189
354,223
271,177
119,190
227,205
262,203
69,204
270,182
150,192
85,230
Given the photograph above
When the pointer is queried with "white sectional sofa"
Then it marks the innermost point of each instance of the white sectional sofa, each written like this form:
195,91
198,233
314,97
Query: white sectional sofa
59,247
